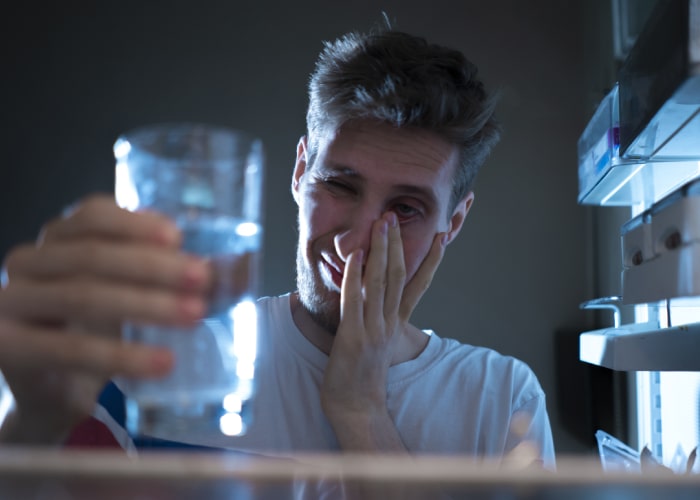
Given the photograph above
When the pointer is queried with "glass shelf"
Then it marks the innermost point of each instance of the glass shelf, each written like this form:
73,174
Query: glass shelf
635,183
643,141
643,347
664,157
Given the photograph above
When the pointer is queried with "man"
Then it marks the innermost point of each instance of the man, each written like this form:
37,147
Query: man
397,130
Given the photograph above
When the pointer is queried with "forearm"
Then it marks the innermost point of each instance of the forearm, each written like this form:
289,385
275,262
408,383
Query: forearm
361,432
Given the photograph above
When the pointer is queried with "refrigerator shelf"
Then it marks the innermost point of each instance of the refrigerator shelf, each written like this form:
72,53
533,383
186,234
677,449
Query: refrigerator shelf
643,347
661,249
642,142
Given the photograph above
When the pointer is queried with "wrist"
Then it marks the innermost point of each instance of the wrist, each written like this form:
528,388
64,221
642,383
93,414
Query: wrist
363,431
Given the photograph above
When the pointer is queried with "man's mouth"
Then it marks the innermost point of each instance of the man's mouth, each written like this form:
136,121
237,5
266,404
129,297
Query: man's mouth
334,270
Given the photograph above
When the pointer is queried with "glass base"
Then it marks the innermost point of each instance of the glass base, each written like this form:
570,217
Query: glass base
170,422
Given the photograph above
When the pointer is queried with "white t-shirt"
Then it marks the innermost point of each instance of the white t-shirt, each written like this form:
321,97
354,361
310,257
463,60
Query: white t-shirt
453,398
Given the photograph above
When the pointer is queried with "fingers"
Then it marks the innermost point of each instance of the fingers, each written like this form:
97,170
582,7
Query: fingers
35,347
102,263
375,278
99,216
63,299
386,293
141,265
92,302
351,305
385,273
396,269
420,282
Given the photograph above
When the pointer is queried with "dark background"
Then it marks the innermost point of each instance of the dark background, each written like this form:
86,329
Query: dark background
76,74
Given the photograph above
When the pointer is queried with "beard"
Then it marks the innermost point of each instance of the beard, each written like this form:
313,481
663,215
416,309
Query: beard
322,304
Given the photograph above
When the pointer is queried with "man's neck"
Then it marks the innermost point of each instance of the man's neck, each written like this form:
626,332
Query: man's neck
314,333
411,343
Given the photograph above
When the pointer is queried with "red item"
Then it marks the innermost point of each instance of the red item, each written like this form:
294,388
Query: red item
93,434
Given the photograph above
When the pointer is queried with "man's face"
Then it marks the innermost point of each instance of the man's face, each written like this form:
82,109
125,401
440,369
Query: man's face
363,171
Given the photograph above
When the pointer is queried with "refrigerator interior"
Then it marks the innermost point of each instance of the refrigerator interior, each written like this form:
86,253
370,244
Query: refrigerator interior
641,150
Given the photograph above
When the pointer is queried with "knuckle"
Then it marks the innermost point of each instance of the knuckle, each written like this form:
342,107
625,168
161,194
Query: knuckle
156,265
79,298
93,302
7,330
16,258
87,350
93,207
397,273
147,306
354,296
377,282
121,304
94,201
49,228
93,254
84,208
77,346
424,284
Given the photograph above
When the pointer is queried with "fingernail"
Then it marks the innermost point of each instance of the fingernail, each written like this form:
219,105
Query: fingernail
443,240
383,227
393,220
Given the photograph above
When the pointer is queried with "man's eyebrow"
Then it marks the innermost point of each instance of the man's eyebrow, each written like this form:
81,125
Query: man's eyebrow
338,169
422,192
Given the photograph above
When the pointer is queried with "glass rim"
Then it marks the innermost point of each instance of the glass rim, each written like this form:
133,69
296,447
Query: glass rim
137,134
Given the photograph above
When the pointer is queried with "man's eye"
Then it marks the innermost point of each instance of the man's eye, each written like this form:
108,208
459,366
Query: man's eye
336,184
404,211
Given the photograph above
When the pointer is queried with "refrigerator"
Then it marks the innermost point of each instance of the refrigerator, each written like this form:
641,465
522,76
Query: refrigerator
641,151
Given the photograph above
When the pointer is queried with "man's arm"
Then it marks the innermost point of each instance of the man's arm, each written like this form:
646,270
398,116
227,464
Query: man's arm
63,299
374,326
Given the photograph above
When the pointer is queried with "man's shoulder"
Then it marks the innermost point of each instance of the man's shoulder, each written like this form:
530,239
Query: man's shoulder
491,364
273,300
453,348
270,306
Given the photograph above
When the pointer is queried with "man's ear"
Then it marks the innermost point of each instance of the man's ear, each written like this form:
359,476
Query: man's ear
299,167
458,215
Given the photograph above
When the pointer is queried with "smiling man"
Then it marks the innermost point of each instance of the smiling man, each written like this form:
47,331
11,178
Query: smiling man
371,209
397,129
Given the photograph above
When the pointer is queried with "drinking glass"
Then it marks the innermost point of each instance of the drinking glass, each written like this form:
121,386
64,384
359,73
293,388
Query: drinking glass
209,181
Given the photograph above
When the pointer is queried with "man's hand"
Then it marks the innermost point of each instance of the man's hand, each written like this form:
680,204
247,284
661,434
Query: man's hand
62,303
374,326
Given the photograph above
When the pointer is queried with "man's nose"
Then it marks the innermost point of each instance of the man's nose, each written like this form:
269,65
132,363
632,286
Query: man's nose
356,234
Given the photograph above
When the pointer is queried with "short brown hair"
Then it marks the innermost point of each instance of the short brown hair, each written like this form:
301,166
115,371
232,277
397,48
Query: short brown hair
401,79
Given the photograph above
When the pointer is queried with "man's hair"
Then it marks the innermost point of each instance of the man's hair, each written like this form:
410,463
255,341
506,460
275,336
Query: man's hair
401,79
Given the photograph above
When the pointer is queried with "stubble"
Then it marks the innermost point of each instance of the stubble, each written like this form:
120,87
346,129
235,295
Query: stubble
323,305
